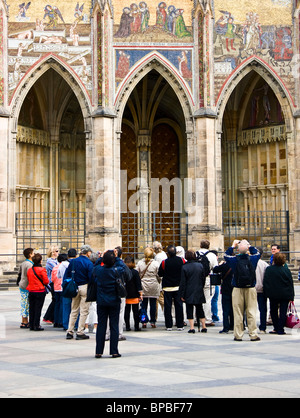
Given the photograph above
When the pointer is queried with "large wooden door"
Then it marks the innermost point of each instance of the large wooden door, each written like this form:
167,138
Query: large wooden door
128,163
165,164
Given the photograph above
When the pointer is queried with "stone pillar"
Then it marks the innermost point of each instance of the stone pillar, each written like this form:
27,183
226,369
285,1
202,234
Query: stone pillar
102,188
204,167
144,175
7,192
293,157
54,174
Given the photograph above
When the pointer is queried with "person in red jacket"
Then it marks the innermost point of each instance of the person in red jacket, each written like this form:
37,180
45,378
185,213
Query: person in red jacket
37,282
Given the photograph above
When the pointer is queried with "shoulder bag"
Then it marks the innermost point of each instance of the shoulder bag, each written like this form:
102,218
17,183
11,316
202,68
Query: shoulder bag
70,288
120,286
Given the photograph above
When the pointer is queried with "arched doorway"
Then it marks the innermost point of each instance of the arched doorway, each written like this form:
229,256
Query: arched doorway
255,165
51,166
153,157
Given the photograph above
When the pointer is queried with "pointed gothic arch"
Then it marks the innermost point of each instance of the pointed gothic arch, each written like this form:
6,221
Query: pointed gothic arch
268,74
51,61
257,157
155,61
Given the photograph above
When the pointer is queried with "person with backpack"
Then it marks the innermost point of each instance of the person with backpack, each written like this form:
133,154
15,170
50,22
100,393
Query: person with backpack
244,297
170,271
209,261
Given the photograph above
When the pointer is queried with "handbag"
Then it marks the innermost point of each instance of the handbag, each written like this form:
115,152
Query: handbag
120,286
292,318
143,317
70,288
91,295
215,279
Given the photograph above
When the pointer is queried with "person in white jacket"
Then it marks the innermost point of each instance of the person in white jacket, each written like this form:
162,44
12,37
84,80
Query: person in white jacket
261,299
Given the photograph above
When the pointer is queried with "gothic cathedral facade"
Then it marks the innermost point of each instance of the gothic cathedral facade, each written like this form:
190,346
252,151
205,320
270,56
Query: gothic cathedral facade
124,123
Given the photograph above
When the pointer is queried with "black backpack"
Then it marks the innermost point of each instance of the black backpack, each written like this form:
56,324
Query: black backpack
244,272
202,258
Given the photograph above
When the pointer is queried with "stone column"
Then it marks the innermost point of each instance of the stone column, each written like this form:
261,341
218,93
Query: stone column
204,167
102,188
144,175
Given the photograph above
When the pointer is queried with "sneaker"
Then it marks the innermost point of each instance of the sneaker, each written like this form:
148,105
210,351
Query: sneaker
95,331
86,330
122,338
82,337
169,329
69,336
179,329
223,331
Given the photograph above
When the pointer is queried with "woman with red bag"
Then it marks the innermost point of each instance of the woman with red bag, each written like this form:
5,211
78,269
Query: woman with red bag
37,283
279,288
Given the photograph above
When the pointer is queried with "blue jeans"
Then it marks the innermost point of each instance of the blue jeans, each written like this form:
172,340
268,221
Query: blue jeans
214,304
66,310
152,302
262,306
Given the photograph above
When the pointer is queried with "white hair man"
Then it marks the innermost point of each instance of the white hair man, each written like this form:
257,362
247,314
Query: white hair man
244,296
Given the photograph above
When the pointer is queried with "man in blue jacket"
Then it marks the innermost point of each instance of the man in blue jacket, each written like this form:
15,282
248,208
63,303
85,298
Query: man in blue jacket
244,297
83,270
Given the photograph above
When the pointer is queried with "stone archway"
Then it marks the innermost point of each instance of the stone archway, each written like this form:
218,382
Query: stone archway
153,147
255,133
51,120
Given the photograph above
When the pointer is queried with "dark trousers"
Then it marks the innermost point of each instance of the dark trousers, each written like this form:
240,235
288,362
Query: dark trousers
190,311
58,308
152,302
104,313
135,311
36,302
168,298
262,306
279,320
228,321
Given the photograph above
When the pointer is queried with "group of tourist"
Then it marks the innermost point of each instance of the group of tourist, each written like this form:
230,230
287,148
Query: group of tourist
169,279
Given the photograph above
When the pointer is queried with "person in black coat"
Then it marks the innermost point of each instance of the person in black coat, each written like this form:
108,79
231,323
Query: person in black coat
170,271
191,290
279,288
134,295
108,303
226,291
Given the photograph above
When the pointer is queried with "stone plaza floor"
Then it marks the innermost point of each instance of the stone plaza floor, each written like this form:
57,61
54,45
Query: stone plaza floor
155,363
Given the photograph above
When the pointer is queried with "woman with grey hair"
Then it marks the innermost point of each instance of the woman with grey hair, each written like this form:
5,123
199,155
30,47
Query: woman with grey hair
160,255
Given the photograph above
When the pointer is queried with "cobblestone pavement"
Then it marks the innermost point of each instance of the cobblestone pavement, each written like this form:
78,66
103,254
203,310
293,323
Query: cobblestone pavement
155,363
